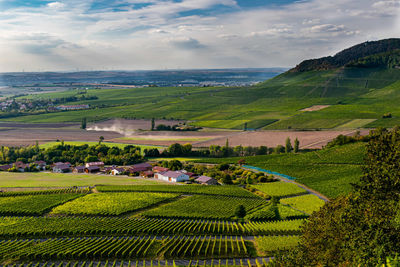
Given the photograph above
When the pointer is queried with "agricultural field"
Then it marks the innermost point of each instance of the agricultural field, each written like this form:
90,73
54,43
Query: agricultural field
279,189
139,222
227,190
306,203
32,204
111,203
329,171
268,244
47,179
109,144
204,207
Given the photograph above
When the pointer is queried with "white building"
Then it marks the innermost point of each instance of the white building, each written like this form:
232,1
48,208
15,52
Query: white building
172,176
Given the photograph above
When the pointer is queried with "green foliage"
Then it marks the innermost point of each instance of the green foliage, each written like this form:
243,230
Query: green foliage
361,228
240,211
280,189
207,207
111,203
184,189
307,203
33,204
268,244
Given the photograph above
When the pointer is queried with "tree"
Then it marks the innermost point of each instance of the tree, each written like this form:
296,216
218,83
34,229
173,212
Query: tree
241,162
153,124
175,165
245,126
83,123
226,179
101,139
296,145
288,146
360,229
240,211
175,150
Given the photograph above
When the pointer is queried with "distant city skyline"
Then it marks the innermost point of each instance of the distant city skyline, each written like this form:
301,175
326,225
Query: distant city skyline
185,34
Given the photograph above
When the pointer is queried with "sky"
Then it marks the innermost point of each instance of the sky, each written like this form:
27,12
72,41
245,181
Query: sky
70,35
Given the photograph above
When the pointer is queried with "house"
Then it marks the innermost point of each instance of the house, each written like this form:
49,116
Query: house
172,176
117,171
79,169
99,164
6,167
21,167
147,174
141,167
61,168
41,165
206,180
159,169
92,169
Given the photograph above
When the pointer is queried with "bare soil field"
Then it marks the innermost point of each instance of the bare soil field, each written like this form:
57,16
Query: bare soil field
128,127
316,108
29,136
308,139
127,131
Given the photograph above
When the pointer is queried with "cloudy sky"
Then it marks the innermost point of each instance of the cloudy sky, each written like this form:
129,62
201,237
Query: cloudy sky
65,35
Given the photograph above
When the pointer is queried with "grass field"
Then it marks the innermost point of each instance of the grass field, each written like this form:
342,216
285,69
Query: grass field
111,203
357,98
329,171
8,179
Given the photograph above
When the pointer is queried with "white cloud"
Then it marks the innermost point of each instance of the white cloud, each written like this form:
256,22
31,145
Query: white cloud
70,34
56,5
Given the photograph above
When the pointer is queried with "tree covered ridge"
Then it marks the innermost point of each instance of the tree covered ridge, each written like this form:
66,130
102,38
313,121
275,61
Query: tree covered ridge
362,228
350,55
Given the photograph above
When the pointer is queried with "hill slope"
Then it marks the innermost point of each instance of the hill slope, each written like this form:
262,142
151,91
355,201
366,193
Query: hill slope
357,87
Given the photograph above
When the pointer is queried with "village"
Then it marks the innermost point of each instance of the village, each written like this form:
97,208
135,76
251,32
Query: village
144,170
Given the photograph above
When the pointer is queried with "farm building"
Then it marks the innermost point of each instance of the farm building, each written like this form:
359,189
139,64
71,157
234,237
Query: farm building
92,169
141,167
95,164
159,169
117,171
61,168
172,176
206,180
79,169
21,166
62,163
147,174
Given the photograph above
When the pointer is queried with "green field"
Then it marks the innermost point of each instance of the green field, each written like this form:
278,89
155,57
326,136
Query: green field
111,203
328,171
358,98
33,204
279,189
204,207
307,203
8,179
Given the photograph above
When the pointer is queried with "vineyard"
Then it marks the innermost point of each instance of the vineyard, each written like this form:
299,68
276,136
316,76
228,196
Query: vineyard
206,207
226,190
108,224
280,189
306,203
111,203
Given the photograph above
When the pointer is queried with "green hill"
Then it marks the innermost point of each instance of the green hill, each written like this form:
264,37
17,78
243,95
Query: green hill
359,85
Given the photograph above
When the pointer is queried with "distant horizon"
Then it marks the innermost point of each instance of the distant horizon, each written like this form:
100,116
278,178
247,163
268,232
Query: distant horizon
68,35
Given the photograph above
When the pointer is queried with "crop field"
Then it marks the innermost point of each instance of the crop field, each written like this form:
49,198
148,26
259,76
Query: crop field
268,244
107,223
275,104
204,207
183,189
33,204
111,203
329,171
307,203
279,189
